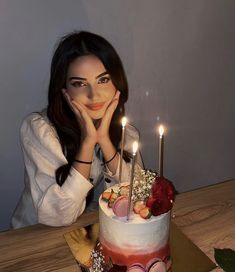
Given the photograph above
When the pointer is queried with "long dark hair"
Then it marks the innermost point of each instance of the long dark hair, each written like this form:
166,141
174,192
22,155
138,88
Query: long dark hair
70,47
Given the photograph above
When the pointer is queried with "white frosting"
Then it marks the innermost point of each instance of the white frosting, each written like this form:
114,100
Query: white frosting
137,233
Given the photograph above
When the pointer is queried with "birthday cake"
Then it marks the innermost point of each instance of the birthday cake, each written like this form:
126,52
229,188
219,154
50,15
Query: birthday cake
136,237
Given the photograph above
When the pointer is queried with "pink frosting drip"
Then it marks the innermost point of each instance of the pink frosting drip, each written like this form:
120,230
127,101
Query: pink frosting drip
127,257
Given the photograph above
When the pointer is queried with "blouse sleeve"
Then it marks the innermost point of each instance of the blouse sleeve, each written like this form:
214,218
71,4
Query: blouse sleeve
131,136
55,205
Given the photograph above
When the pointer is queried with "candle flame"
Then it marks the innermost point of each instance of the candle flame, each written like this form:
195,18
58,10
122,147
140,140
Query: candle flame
124,121
135,147
161,130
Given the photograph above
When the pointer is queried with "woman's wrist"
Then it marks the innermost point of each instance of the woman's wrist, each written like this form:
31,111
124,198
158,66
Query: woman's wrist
85,152
89,142
104,141
111,159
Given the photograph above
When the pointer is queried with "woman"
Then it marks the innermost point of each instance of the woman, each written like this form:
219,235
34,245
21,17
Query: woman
71,149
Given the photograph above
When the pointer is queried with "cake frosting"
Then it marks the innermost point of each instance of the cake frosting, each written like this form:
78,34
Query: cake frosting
140,243
137,240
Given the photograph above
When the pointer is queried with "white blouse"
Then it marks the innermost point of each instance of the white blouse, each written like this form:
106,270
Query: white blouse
43,200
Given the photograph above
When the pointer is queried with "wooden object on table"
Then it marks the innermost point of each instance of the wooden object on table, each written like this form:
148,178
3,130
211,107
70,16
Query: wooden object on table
82,241
40,248
207,216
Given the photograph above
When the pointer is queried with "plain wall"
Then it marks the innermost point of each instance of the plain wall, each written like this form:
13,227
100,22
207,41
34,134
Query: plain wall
179,57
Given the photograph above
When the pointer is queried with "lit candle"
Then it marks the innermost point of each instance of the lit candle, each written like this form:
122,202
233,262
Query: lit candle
124,121
161,146
134,148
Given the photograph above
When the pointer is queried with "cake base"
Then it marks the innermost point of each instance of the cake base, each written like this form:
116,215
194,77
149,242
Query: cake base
128,257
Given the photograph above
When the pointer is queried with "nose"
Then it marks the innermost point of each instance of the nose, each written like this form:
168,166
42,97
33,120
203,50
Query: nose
92,92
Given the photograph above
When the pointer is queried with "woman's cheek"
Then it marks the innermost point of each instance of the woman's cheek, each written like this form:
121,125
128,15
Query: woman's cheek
109,94
75,95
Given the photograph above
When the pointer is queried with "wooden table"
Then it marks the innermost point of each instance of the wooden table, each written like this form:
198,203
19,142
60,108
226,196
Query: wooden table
40,248
206,216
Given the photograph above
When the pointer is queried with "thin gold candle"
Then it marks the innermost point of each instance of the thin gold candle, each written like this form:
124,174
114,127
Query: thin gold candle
124,121
161,147
134,148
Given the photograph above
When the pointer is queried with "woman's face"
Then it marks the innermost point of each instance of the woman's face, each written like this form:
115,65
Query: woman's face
89,83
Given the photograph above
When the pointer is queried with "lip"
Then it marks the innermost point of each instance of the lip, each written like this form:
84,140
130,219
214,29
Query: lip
95,106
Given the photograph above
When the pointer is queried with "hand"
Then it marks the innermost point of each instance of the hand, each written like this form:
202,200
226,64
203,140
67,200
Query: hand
88,130
103,129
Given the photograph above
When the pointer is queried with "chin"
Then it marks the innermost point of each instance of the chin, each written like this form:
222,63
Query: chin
97,115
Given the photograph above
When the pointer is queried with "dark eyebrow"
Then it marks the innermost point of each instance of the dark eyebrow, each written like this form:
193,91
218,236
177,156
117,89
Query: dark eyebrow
102,74
83,78
75,77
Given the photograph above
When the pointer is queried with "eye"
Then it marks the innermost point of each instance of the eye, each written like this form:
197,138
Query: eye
78,84
104,79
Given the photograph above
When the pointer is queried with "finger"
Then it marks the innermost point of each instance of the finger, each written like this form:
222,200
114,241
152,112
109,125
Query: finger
68,99
113,103
80,107
106,120
86,117
117,94
116,97
72,105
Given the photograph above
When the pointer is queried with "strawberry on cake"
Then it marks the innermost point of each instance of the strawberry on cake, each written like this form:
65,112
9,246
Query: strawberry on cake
140,243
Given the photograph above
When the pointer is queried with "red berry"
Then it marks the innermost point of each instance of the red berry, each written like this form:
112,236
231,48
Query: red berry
160,206
163,188
150,201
